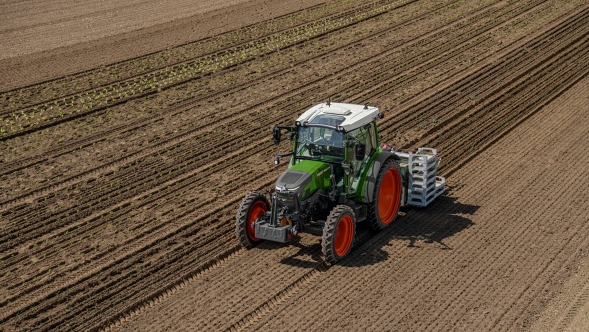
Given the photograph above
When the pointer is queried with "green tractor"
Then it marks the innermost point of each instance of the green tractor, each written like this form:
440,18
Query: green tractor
338,176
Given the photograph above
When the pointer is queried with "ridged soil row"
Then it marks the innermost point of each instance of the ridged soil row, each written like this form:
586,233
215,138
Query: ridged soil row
150,167
217,46
449,106
434,49
493,107
49,114
37,208
188,188
204,94
512,248
164,256
475,41
526,95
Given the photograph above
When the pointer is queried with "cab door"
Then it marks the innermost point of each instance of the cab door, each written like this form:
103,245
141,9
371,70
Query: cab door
363,135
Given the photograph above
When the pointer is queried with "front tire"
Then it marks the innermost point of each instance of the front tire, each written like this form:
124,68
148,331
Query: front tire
387,196
338,233
252,206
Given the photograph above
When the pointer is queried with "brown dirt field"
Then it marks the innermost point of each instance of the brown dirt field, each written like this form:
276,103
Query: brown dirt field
486,257
66,37
121,174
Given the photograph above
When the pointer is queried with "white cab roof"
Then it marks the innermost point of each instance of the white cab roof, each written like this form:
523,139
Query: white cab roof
355,116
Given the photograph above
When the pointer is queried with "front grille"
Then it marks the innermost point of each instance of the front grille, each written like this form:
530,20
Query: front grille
286,199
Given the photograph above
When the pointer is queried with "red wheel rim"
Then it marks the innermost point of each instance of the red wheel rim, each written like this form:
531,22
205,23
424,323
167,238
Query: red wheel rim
256,211
343,235
389,196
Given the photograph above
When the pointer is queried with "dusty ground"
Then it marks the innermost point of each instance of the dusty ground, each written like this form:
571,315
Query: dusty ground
486,257
121,172
66,37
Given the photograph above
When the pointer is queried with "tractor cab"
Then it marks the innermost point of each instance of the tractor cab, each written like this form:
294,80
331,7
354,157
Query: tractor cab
343,135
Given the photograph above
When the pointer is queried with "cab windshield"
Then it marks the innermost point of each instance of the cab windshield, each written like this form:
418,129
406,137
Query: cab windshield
320,143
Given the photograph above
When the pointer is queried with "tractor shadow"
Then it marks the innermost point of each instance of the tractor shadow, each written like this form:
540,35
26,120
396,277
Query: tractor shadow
418,227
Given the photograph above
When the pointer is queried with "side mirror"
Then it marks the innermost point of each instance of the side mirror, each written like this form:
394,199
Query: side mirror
360,150
276,135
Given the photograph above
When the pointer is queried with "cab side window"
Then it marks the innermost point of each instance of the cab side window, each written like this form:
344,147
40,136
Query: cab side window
364,135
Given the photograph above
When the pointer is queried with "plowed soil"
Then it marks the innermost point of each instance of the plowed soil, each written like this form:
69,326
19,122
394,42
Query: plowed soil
122,167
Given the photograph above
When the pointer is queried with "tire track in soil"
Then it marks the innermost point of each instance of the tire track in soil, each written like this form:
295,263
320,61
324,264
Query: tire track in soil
288,292
567,310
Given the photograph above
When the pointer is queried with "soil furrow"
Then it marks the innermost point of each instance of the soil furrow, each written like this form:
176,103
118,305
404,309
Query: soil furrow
156,61
183,106
460,93
133,220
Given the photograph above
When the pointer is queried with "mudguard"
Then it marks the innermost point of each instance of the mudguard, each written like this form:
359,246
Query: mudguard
372,175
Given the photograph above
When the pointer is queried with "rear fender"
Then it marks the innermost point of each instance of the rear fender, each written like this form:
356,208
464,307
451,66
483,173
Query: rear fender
372,174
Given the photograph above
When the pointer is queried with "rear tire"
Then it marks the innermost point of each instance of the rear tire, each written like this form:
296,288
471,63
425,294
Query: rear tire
252,206
339,232
384,208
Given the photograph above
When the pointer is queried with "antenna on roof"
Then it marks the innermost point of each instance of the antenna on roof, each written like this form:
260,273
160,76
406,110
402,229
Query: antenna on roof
365,106
329,101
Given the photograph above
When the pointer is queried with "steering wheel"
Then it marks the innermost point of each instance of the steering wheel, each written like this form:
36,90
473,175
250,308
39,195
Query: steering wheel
311,146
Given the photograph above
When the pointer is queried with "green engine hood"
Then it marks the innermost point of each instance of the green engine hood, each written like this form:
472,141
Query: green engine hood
305,178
